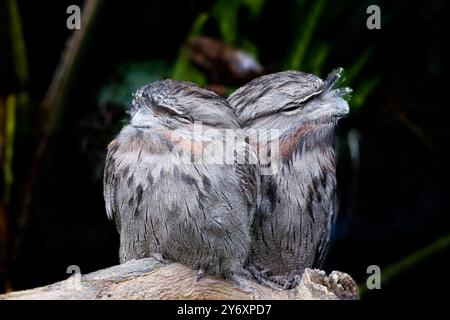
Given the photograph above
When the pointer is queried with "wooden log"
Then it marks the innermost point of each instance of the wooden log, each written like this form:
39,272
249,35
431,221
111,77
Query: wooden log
150,279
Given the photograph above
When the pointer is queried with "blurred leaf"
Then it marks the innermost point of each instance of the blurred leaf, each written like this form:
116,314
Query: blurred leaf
416,257
305,35
52,106
10,129
358,65
230,90
226,14
254,6
20,68
361,93
415,129
319,58
300,3
198,25
18,43
183,68
129,78
250,48
66,72
411,260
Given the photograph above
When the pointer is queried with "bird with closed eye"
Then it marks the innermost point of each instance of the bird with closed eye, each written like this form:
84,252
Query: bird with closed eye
292,228
169,195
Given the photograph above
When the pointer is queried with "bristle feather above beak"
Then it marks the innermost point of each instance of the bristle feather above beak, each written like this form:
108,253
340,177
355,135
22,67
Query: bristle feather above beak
333,79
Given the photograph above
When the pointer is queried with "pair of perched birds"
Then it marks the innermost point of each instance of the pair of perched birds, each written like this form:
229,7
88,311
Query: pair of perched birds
227,217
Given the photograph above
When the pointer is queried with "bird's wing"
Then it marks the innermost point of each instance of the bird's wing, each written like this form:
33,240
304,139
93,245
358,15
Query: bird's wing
249,172
110,184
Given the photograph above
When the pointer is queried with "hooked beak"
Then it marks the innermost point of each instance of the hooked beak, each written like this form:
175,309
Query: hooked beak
142,118
340,107
338,97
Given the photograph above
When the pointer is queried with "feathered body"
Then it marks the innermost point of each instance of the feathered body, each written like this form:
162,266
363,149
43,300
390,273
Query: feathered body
166,202
292,229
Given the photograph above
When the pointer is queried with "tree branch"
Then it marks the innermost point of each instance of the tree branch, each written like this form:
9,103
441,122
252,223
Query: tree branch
150,279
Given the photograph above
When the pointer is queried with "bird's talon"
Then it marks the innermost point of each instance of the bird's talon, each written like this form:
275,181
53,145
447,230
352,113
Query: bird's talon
200,274
158,257
297,279
258,275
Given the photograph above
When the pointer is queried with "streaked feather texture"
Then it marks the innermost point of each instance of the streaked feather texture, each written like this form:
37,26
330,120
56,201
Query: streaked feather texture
292,228
198,214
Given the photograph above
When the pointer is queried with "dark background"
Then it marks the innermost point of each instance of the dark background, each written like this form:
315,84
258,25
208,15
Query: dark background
394,208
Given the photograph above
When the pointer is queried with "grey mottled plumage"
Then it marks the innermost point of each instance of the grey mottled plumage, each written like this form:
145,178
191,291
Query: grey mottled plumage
164,204
292,229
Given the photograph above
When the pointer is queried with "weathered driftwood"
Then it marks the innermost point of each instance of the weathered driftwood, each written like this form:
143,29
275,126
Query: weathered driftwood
150,279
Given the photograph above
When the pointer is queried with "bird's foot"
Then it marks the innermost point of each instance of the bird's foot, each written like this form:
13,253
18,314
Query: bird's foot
260,276
248,275
296,280
254,274
200,274
159,258
287,282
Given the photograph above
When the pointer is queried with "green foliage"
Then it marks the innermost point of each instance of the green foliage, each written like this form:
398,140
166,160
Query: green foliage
226,15
254,6
368,85
319,58
307,53
304,35
129,78
354,70
15,101
305,45
440,244
183,68
250,48
362,91
72,57
17,43
132,76
10,126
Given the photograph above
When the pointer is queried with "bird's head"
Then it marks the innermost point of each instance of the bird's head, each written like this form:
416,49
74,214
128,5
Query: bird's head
290,100
176,104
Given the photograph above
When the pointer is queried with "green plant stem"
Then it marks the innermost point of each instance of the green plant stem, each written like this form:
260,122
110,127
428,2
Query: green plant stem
307,31
53,104
358,65
10,128
17,43
183,69
411,260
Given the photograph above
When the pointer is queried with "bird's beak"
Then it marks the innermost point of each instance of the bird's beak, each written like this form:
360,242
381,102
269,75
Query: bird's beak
340,107
331,104
142,118
340,98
